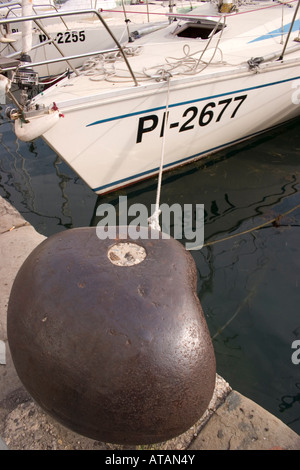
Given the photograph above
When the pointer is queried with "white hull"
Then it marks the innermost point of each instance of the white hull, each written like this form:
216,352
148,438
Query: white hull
106,162
80,39
112,133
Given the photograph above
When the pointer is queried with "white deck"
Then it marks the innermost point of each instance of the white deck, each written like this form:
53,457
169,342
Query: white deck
228,50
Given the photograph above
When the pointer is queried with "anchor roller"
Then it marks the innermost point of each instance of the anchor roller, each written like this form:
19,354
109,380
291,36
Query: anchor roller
109,337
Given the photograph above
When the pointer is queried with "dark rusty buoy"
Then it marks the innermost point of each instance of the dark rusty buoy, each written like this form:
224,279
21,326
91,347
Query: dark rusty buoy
110,338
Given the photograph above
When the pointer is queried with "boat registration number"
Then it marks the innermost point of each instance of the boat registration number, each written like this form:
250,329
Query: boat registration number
65,37
213,111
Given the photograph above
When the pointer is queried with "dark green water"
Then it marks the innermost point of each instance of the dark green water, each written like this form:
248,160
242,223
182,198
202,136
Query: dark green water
248,284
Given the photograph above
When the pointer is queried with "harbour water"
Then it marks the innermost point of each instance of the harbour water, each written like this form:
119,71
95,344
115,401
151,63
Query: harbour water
249,266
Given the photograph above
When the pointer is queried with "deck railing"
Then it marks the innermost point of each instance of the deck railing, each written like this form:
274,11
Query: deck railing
35,18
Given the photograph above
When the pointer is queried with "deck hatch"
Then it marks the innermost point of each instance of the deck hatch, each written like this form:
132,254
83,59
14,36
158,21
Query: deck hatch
197,29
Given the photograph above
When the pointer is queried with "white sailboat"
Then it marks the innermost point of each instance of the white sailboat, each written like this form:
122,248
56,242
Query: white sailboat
60,36
206,82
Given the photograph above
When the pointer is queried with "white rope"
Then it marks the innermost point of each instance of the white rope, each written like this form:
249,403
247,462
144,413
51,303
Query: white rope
188,64
153,221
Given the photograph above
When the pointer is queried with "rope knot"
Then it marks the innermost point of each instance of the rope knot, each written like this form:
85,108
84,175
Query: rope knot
163,74
153,221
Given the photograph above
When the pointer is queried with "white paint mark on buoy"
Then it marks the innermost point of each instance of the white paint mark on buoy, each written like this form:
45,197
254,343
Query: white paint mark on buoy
126,254
2,353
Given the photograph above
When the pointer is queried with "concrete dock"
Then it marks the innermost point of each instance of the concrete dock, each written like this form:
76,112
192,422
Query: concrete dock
231,422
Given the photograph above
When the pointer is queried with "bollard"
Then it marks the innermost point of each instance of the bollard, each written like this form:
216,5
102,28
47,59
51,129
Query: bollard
109,338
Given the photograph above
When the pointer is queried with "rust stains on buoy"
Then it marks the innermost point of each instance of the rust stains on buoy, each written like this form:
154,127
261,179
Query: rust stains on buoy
117,353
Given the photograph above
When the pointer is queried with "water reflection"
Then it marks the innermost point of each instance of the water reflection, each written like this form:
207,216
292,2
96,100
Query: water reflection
44,189
248,270
289,401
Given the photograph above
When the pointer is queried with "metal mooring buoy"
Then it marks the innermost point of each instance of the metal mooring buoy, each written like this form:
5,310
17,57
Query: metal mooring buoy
109,338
